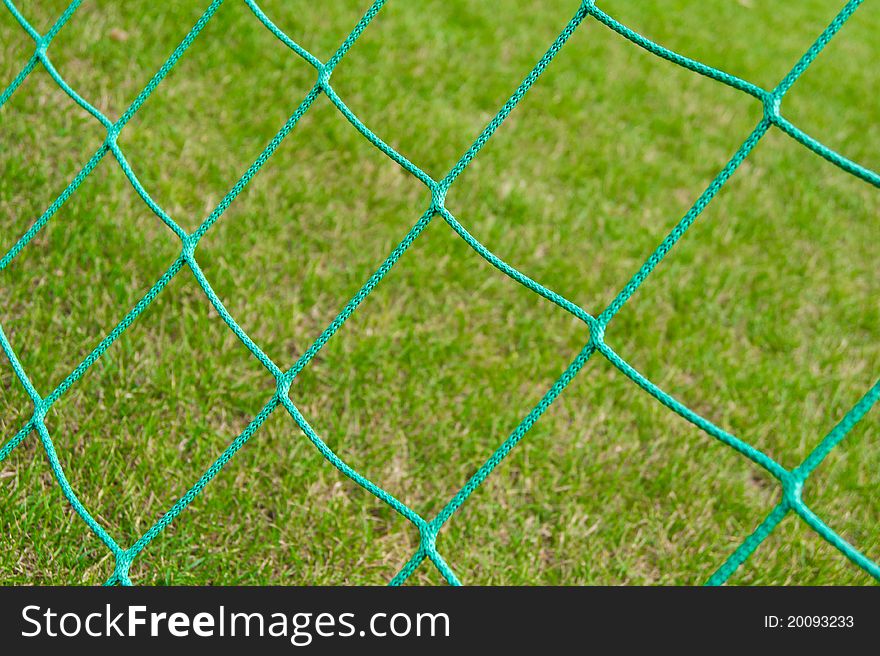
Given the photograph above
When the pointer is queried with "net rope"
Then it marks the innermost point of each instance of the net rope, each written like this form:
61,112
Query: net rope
791,481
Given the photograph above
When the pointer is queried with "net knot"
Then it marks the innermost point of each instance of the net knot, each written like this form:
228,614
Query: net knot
42,47
282,386
428,541
40,411
438,196
792,490
113,134
597,331
324,74
772,101
189,248
120,570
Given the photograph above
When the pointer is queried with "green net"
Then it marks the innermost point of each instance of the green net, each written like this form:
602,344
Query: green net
791,481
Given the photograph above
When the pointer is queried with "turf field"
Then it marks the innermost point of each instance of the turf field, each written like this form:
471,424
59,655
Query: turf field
764,319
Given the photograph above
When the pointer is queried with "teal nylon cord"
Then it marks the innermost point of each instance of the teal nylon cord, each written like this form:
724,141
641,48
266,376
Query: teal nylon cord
791,482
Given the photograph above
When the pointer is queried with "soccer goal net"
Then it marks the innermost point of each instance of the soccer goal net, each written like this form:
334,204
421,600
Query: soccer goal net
791,481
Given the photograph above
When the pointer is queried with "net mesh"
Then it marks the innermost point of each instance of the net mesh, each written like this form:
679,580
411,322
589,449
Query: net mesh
791,481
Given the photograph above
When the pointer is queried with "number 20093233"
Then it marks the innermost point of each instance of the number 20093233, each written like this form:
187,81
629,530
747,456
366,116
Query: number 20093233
808,621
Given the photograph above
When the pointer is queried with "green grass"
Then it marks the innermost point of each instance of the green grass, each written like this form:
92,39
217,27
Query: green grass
764,318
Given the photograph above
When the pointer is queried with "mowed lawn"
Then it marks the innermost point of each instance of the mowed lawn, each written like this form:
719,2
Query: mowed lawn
764,318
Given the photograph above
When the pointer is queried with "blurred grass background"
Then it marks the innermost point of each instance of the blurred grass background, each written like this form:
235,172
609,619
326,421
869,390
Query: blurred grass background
765,317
